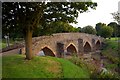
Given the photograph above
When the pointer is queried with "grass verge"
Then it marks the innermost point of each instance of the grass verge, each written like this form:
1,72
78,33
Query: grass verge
111,51
40,67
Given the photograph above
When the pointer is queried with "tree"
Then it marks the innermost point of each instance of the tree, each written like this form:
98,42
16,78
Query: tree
25,17
79,29
39,31
88,29
114,25
106,31
76,29
60,27
118,30
55,27
98,27
116,16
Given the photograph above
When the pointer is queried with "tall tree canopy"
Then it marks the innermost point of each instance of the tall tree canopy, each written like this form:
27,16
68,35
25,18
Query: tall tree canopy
98,27
114,25
106,31
88,29
25,17
116,16
54,27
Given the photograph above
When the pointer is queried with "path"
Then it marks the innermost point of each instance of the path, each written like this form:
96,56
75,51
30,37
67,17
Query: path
14,51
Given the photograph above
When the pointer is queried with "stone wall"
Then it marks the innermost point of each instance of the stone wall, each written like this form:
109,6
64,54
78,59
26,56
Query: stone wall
58,43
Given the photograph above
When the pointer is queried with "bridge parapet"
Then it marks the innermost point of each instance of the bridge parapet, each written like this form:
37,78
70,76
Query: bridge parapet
60,42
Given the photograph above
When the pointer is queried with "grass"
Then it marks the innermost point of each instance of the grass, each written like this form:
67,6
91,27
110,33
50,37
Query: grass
50,67
111,51
4,45
40,67
113,38
112,43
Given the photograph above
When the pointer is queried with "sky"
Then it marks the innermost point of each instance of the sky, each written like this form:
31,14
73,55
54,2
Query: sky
101,14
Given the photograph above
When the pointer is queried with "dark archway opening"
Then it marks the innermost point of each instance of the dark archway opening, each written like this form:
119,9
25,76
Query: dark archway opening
87,47
71,50
46,52
97,46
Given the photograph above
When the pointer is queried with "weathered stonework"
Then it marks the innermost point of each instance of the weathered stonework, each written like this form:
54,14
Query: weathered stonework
60,42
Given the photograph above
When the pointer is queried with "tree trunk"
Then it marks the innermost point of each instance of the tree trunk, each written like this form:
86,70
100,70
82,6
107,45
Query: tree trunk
28,44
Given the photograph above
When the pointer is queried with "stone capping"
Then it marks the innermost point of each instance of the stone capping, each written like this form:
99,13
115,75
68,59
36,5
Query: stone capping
60,34
37,39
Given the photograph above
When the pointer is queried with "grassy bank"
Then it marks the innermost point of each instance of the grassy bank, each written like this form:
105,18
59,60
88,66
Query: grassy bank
40,67
111,51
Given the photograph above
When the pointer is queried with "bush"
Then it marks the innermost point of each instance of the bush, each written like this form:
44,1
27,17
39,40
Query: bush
82,63
104,74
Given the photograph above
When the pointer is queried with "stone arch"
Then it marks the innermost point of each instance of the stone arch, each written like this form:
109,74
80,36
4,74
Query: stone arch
48,52
97,45
71,49
87,47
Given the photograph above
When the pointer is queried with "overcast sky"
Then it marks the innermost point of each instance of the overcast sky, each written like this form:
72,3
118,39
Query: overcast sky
101,14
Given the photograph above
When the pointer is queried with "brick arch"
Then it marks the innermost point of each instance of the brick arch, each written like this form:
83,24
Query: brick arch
87,41
71,49
78,40
87,47
48,52
97,45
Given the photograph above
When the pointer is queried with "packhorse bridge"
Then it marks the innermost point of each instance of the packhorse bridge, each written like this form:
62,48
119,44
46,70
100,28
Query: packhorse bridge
66,44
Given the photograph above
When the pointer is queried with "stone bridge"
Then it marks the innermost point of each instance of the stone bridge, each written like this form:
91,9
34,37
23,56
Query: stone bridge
66,44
